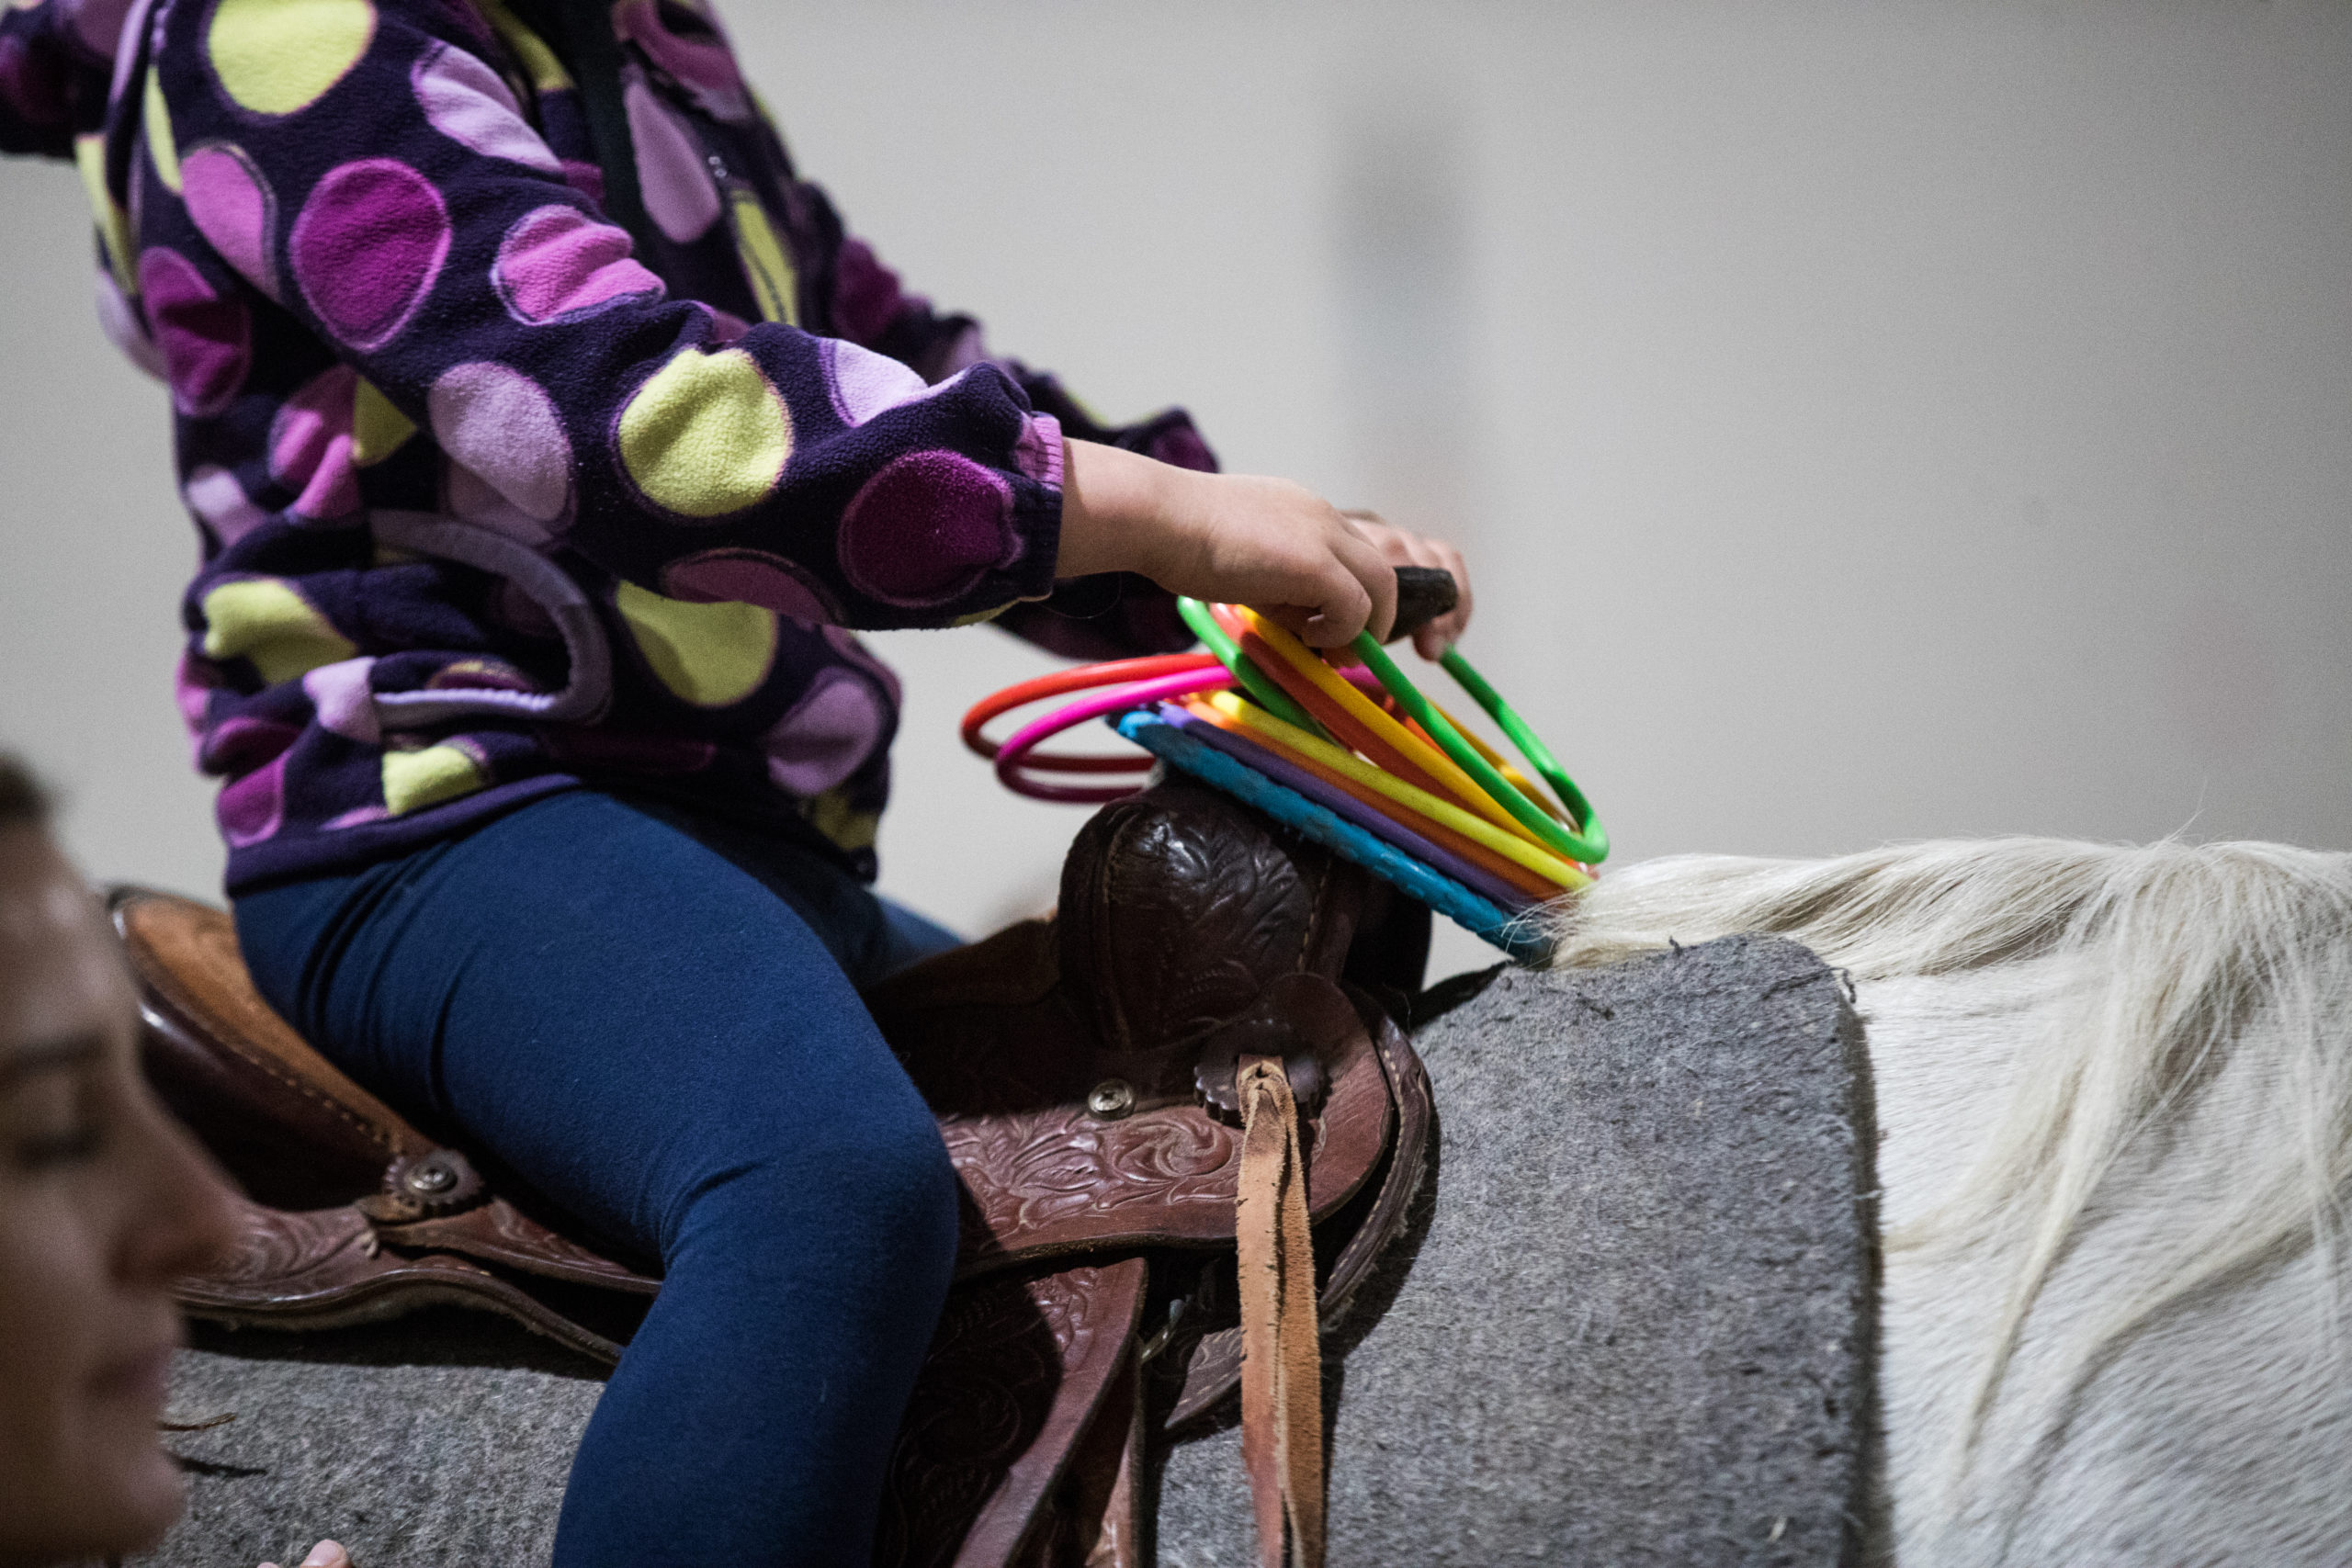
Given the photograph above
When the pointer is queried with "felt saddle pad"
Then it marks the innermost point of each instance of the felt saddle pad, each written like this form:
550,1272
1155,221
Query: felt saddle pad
1632,1322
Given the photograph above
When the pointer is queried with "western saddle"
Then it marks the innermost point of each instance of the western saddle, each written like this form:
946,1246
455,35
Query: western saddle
1184,1119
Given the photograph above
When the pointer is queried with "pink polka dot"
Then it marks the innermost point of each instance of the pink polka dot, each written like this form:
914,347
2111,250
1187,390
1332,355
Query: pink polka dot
558,263
748,576
1038,452
310,444
469,103
367,248
698,58
253,807
825,737
344,700
864,383
677,189
926,528
241,745
233,208
206,341
501,424
213,494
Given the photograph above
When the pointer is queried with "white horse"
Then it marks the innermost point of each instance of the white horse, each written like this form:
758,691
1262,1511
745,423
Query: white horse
2114,1089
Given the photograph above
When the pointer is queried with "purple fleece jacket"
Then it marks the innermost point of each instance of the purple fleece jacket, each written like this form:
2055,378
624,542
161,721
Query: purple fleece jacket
495,502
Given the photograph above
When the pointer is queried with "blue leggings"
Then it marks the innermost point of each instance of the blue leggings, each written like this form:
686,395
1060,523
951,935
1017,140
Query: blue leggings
652,1024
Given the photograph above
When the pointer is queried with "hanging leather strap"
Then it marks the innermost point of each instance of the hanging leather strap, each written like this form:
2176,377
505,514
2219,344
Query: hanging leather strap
1282,1367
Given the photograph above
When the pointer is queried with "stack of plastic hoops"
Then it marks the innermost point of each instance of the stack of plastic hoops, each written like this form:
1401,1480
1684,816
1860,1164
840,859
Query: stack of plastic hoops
1353,756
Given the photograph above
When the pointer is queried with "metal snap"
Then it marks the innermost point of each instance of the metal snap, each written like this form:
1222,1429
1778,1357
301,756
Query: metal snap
1112,1099
430,1176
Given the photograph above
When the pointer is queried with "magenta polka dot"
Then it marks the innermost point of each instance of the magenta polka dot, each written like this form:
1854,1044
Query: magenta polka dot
748,576
866,296
826,736
558,263
469,103
310,444
677,189
206,341
926,528
98,23
367,248
233,208
253,807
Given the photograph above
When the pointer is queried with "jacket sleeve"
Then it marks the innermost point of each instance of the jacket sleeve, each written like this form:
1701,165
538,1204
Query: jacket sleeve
1115,616
368,169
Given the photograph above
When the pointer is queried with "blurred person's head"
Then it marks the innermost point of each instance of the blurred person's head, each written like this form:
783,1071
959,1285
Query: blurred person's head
104,1200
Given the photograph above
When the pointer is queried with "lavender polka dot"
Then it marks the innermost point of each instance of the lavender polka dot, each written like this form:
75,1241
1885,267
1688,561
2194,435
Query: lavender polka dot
98,24
503,425
864,383
368,247
469,496
193,684
677,189
213,494
125,328
253,807
232,207
469,103
557,263
344,700
310,444
206,341
748,576
825,736
926,529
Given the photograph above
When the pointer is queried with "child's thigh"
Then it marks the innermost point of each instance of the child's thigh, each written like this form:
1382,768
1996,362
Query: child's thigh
626,1020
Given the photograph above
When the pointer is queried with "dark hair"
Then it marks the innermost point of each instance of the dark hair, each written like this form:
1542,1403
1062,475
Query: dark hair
23,803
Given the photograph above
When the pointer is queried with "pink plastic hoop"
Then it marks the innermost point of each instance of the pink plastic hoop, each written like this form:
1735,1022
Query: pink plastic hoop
1118,698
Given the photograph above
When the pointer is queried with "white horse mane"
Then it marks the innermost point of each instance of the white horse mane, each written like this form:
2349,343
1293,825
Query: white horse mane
2115,1093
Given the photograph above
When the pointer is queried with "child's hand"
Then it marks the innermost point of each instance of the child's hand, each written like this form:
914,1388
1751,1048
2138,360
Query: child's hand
1398,548
1236,539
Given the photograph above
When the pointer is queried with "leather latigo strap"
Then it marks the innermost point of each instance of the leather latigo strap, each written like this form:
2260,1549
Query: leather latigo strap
1093,1079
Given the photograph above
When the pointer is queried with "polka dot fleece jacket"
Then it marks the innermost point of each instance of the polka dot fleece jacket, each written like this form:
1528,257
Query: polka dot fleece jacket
494,502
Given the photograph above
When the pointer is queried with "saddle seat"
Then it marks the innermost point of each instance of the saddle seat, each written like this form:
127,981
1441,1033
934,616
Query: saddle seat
1088,1071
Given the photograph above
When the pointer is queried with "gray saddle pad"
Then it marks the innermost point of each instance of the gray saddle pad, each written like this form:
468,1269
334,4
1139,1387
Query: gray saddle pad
1633,1324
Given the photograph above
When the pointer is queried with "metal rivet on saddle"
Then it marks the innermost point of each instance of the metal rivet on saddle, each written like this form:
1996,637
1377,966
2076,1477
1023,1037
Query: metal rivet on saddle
417,1187
1112,1099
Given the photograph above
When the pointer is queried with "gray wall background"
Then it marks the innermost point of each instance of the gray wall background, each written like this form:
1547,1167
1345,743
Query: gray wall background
1866,421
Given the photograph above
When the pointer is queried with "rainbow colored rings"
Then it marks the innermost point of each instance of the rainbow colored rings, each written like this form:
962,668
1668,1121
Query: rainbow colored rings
1346,749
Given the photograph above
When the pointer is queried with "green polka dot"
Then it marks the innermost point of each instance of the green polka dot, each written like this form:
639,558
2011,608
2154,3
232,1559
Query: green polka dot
114,224
277,56
378,429
162,150
414,779
705,435
848,826
265,620
711,655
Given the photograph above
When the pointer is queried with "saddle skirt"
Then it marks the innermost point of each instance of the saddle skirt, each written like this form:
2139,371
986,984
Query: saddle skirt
1095,1075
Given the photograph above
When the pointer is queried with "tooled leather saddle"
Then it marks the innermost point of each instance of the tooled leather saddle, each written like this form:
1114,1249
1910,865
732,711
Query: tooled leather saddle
1182,1114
